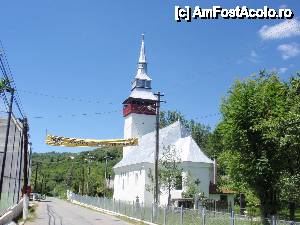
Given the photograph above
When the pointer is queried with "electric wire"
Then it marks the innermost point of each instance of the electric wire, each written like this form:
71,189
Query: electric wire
63,97
8,75
75,114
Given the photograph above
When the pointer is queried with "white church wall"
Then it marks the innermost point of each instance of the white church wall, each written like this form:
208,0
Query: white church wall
137,125
163,198
198,170
148,192
129,183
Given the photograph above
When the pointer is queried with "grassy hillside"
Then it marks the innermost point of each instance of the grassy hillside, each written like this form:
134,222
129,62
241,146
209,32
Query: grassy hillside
82,172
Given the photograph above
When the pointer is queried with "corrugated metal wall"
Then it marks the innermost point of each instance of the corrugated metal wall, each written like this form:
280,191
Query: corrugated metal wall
13,172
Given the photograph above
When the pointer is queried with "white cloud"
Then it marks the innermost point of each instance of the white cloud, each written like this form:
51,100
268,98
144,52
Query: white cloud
289,50
285,29
282,69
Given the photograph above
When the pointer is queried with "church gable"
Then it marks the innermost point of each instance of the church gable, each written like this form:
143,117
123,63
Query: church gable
175,134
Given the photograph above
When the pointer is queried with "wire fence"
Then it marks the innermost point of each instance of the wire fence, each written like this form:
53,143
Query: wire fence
171,215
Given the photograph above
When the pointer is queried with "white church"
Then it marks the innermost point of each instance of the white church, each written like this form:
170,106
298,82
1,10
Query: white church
132,178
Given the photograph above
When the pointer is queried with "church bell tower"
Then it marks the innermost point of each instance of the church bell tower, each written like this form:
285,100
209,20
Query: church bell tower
139,109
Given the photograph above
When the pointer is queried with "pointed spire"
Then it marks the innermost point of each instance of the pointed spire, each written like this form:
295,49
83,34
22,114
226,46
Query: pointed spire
142,58
142,81
142,63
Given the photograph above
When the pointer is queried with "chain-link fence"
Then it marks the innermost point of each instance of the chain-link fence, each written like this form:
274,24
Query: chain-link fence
171,215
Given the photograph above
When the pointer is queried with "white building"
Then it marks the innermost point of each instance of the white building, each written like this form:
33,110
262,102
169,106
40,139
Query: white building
132,172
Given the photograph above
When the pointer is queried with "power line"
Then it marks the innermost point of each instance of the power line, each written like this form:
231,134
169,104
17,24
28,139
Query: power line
63,97
18,103
208,115
8,75
76,115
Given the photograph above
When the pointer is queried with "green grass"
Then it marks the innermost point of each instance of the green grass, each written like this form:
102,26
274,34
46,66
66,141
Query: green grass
31,214
297,215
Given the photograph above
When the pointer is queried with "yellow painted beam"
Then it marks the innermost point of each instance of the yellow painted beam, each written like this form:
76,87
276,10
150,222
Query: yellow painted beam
79,142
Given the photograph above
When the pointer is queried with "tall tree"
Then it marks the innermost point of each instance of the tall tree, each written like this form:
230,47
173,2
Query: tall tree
288,136
253,114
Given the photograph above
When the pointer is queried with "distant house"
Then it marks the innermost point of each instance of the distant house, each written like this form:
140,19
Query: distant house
132,178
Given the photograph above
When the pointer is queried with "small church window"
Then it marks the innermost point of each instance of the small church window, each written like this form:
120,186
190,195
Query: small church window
136,178
147,84
123,184
178,184
140,83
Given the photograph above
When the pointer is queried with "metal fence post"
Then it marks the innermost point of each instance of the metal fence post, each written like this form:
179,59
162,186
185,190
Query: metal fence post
25,206
165,216
152,213
273,220
181,215
203,215
232,218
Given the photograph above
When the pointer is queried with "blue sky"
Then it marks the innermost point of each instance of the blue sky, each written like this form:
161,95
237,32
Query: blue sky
89,50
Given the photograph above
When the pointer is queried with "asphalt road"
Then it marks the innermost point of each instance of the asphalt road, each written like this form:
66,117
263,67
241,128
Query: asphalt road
54,211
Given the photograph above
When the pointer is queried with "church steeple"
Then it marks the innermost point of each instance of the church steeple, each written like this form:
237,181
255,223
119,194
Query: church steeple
139,108
142,64
142,80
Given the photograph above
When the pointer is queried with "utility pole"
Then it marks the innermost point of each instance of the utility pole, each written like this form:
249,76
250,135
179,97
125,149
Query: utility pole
36,174
11,90
25,168
82,191
156,175
88,160
88,177
42,184
105,171
106,161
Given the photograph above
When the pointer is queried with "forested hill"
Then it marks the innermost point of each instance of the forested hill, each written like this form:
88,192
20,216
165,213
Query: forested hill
82,172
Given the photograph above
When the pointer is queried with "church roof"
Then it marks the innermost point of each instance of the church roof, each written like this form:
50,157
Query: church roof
142,75
175,135
142,94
